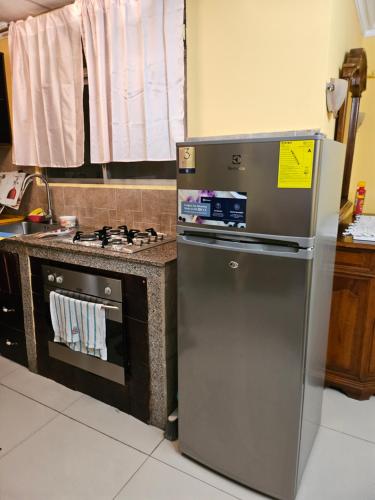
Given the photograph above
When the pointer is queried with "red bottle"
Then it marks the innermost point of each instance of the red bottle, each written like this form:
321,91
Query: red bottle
359,198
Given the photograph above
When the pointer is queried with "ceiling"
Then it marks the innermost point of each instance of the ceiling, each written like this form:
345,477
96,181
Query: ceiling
11,10
366,14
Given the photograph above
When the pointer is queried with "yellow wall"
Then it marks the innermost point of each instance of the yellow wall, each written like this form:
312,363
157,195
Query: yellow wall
262,66
6,151
364,154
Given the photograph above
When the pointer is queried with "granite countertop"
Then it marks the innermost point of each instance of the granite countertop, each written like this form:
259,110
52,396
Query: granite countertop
158,256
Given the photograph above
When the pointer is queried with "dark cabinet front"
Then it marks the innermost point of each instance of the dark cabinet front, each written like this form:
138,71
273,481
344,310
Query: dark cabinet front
12,334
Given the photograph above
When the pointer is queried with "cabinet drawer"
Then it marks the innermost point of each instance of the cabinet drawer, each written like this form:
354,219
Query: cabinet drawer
13,345
11,312
354,258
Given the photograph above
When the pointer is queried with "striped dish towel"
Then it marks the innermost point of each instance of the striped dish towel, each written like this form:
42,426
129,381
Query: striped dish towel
79,324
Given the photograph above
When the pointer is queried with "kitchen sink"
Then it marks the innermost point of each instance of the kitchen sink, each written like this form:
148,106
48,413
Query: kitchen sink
27,227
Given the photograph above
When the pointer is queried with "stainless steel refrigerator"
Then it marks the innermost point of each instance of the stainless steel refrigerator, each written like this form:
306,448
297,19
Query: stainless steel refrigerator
257,226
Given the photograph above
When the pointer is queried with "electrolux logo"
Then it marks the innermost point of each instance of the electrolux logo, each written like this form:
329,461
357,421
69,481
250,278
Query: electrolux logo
236,163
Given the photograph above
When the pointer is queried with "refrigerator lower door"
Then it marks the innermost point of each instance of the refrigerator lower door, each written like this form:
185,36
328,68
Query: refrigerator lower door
241,324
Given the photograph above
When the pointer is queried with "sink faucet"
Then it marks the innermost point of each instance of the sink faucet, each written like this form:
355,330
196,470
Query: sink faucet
28,180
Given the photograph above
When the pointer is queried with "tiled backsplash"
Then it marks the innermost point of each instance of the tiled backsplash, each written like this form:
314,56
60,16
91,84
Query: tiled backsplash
138,208
97,206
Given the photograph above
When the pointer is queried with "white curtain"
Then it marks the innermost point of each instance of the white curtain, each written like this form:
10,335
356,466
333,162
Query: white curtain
47,70
135,63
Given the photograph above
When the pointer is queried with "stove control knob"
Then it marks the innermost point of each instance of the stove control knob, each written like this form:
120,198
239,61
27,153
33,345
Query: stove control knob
59,279
51,278
107,290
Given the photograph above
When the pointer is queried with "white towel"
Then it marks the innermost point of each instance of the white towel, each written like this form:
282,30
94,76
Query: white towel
79,324
10,188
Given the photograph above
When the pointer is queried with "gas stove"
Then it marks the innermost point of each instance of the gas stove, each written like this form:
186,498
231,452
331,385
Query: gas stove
120,239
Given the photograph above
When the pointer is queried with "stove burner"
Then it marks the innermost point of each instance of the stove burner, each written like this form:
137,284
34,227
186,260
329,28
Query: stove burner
137,241
120,238
151,231
112,241
133,232
81,236
120,230
142,236
101,234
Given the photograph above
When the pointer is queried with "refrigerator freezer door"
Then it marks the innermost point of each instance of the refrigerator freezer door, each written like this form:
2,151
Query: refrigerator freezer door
241,351
270,209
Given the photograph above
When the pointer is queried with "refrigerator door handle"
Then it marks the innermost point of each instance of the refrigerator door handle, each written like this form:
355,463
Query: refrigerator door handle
254,248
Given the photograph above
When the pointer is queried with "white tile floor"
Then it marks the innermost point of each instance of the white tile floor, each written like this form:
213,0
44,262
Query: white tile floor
57,444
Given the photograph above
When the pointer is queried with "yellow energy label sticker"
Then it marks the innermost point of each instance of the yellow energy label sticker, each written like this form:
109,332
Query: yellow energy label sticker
186,160
296,161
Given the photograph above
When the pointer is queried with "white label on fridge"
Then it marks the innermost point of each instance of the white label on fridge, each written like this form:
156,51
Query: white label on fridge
216,208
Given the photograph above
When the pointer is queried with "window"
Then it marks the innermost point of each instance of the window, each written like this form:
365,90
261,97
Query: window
145,172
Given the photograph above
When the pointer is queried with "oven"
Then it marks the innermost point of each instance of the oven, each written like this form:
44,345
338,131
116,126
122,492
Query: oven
123,380
88,287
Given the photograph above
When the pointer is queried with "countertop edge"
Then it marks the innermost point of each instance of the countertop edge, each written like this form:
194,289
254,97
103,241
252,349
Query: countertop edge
30,241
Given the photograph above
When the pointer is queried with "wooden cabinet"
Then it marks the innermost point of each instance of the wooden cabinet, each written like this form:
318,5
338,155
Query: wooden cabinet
351,344
12,333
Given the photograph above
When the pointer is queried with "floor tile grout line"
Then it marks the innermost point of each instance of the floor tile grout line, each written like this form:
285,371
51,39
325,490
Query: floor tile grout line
10,373
28,437
347,434
199,479
157,446
147,455
35,400
61,412
73,402
131,477
106,435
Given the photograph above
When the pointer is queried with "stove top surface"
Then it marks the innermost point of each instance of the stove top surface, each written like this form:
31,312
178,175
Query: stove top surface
119,239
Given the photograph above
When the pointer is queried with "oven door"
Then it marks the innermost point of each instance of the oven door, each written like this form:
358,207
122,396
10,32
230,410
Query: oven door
114,367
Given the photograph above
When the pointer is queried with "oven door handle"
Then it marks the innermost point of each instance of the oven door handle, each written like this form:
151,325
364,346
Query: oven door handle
105,306
113,308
